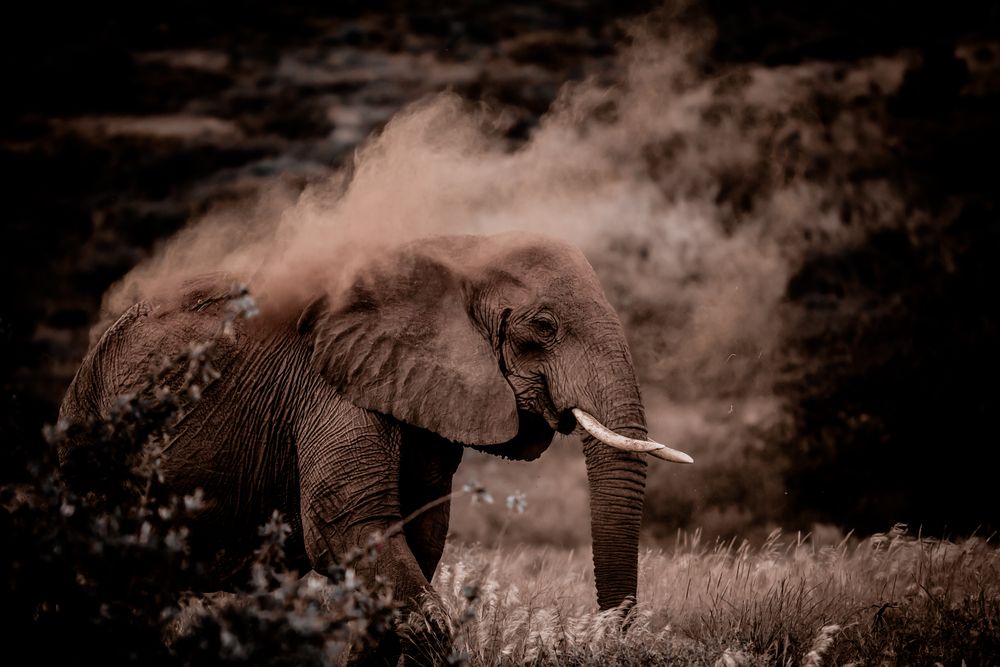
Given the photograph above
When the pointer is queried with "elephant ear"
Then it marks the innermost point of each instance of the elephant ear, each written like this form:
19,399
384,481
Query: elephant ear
403,343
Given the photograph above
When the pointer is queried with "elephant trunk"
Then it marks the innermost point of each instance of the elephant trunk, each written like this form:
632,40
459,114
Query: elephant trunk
617,481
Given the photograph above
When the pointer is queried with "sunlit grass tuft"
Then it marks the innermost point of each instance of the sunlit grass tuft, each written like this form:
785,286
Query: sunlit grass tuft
889,599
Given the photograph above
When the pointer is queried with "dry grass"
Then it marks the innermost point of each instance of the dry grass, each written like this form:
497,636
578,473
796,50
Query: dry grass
890,599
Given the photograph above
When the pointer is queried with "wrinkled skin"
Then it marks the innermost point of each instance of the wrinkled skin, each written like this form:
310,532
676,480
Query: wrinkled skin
354,412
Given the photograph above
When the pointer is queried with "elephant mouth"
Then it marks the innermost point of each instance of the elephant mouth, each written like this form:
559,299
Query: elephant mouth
566,423
558,420
534,435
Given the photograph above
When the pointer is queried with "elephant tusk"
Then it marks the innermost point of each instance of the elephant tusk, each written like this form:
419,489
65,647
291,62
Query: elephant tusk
612,439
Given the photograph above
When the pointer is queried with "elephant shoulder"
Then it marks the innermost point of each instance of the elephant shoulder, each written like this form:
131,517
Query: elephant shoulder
206,308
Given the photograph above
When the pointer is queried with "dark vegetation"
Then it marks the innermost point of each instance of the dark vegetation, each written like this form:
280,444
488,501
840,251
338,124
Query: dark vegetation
894,415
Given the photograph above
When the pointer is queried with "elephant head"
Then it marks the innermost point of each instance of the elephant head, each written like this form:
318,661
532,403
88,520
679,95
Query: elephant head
498,342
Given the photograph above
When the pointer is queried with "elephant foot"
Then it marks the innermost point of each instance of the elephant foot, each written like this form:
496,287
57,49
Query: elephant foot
427,646
426,642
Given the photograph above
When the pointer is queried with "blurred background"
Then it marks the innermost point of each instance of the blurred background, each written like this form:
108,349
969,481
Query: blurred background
792,205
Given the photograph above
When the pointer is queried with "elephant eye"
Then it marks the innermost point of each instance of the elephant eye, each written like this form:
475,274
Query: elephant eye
544,325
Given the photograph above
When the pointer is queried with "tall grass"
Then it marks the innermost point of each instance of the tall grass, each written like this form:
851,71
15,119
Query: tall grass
891,599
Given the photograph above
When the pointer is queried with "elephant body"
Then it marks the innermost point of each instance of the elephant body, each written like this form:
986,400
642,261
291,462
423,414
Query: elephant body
353,411
297,448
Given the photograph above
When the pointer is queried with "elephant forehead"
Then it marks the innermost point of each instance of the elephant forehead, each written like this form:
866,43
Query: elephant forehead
549,268
540,252
506,250
543,267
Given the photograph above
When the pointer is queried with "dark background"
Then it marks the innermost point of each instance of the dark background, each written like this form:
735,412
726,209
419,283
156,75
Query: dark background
890,366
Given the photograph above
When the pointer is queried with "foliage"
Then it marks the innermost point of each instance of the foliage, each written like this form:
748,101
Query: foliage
892,409
892,338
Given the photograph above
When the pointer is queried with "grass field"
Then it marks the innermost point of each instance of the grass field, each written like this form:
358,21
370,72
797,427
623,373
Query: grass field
892,599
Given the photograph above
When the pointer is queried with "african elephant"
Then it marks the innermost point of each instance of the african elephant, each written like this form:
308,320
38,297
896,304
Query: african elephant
354,410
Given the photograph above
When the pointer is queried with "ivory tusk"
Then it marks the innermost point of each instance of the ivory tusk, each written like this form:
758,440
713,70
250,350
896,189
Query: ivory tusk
618,441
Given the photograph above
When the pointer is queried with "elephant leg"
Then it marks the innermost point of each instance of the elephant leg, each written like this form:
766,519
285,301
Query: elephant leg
427,466
396,564
349,493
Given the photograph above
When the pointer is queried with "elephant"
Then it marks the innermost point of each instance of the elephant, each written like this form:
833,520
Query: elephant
353,409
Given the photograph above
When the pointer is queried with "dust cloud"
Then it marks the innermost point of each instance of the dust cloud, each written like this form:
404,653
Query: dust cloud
694,191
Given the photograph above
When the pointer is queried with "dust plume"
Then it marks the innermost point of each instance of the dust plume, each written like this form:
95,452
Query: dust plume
694,191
